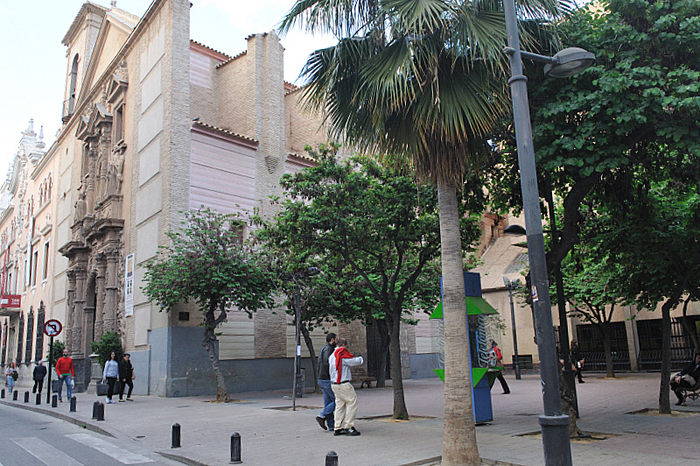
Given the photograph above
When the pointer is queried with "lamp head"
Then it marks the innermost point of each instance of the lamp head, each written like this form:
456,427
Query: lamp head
514,230
569,62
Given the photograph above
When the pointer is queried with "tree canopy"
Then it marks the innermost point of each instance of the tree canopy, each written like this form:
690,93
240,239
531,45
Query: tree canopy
208,263
376,233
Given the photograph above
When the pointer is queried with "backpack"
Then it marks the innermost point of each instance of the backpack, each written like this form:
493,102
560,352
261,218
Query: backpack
493,358
15,375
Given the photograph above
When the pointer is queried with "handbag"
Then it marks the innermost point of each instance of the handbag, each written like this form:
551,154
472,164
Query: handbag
101,388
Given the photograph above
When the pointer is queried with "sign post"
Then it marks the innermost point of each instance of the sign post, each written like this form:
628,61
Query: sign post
52,328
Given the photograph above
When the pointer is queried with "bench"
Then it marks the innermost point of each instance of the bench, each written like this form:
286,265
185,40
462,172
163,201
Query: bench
692,393
359,374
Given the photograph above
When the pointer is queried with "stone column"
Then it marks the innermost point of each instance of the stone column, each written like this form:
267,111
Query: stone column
90,185
112,290
78,345
70,310
101,324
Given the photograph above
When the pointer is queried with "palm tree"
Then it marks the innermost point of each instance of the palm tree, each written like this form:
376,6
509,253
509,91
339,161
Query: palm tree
422,79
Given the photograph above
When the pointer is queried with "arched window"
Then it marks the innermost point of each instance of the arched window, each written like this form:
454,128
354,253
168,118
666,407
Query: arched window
73,84
39,353
30,336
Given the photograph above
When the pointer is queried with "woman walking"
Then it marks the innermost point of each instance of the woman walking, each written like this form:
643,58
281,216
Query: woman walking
111,373
11,374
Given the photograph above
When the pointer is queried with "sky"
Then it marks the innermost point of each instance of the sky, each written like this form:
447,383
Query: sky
32,77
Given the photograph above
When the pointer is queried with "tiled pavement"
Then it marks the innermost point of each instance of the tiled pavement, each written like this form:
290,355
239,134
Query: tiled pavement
285,437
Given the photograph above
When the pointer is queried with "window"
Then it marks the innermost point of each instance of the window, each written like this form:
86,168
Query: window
26,272
35,261
45,268
73,85
119,124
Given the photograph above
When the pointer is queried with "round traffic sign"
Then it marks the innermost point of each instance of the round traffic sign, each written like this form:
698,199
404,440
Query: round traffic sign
52,327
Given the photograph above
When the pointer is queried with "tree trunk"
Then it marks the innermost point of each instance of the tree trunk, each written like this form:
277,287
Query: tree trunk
310,347
607,345
459,446
384,339
664,401
208,343
400,410
568,402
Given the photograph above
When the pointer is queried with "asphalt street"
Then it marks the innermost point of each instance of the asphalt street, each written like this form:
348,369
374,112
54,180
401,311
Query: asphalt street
32,439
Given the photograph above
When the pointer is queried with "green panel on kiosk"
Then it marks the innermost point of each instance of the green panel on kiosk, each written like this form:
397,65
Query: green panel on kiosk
477,374
493,374
477,306
437,313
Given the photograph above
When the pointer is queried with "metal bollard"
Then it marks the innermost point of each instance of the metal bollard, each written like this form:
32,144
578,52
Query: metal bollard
26,397
54,401
175,440
38,399
235,448
331,458
73,404
100,411
14,395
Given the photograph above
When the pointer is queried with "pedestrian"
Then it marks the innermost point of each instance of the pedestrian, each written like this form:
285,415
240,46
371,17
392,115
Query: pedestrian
126,377
577,360
326,418
687,378
339,365
66,373
496,360
38,375
111,375
11,375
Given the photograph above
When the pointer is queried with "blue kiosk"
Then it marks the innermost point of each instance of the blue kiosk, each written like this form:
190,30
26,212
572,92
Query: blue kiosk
483,377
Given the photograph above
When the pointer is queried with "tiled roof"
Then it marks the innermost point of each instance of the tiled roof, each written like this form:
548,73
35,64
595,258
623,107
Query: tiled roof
231,59
225,131
223,56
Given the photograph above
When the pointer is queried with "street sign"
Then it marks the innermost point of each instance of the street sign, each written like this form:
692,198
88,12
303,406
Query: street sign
52,327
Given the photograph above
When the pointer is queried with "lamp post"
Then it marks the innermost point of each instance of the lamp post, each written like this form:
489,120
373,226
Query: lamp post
298,389
512,285
555,432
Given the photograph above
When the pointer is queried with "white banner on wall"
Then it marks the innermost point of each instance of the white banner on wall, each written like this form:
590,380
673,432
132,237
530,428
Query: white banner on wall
129,286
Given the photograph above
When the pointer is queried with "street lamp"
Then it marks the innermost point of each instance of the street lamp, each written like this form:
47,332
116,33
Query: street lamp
298,389
555,424
513,285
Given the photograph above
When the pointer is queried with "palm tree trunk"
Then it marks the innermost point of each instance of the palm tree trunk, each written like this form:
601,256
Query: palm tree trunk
459,446
400,410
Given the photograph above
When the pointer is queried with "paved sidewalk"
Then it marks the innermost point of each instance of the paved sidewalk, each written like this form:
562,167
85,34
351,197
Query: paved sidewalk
273,434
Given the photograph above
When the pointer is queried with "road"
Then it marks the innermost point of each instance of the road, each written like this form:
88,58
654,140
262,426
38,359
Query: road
31,439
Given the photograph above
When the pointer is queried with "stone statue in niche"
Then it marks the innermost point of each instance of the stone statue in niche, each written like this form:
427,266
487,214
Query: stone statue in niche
115,174
80,205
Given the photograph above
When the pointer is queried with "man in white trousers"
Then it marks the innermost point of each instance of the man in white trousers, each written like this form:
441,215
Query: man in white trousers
340,363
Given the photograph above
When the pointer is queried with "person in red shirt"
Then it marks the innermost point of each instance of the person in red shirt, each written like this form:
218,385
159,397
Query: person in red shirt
65,372
496,360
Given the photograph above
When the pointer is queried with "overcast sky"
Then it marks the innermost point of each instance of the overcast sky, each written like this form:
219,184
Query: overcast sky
33,59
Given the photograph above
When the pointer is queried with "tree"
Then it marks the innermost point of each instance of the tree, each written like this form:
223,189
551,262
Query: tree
635,109
417,78
376,232
653,235
209,263
590,288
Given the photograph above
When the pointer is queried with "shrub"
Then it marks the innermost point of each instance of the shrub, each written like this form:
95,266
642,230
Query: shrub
109,342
